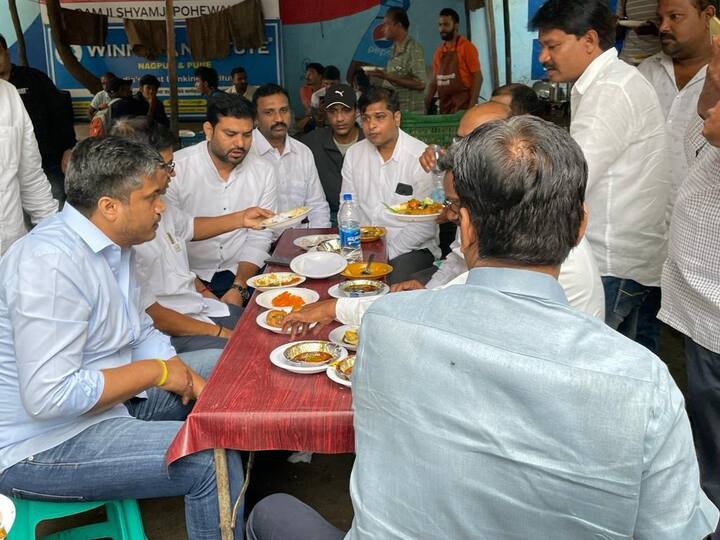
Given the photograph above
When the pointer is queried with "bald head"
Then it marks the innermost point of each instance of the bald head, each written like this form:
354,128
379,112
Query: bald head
482,114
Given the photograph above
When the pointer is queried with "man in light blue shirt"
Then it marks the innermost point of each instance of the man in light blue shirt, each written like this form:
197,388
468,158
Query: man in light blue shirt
81,367
493,410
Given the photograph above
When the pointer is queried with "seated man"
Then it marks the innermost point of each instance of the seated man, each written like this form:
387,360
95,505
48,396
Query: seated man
91,395
384,169
178,303
149,86
297,177
122,102
218,177
533,420
330,77
330,144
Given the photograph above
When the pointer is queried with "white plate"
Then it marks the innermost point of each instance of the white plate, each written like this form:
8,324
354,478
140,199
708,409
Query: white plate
252,282
370,69
312,240
318,264
332,373
336,336
186,133
265,299
7,511
335,292
415,218
287,218
278,359
261,320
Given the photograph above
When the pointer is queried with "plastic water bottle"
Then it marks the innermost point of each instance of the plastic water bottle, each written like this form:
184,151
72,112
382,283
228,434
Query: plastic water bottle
349,224
438,192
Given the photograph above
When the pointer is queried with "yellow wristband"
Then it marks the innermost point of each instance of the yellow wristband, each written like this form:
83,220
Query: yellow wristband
163,378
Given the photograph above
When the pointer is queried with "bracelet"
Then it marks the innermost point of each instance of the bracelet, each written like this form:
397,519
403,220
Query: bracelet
163,378
220,329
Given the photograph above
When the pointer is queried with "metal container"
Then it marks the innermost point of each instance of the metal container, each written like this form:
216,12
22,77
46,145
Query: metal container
362,287
301,348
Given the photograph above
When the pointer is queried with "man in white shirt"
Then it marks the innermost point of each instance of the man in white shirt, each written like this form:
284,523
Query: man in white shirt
23,183
678,72
240,84
219,177
619,124
179,304
297,177
383,169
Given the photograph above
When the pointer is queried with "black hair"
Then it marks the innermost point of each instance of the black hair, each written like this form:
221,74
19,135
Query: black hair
523,99
208,75
577,17
232,105
522,180
149,80
315,66
376,94
449,12
269,89
238,69
331,73
399,15
144,129
702,5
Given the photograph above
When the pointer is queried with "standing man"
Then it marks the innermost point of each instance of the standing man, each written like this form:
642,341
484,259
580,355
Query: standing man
639,43
101,100
217,177
330,144
405,71
456,68
51,114
691,282
384,169
297,177
206,81
22,181
619,124
240,85
678,72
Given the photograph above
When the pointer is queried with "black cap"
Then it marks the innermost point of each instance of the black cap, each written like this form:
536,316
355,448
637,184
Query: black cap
340,94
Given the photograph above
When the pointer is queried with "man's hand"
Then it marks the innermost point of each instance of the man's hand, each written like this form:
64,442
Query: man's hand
427,158
182,380
252,218
409,285
233,296
224,333
298,322
710,93
379,73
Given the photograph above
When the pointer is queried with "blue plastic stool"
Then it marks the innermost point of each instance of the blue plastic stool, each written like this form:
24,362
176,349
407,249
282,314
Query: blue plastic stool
123,520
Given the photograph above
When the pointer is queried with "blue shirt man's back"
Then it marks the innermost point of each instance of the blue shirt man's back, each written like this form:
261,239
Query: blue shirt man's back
495,411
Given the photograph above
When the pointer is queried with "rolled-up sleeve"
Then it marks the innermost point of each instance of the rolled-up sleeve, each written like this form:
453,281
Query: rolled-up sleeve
152,343
49,317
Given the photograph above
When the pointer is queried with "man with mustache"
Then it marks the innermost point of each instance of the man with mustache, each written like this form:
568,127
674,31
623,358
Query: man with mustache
220,176
456,69
293,163
678,72
619,124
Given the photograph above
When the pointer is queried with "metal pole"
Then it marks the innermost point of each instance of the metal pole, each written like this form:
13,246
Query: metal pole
508,43
492,42
22,57
223,494
172,65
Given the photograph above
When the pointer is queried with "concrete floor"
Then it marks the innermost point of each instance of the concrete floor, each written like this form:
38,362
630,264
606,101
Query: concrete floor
323,484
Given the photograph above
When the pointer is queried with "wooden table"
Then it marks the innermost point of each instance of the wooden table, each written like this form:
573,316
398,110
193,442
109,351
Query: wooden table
250,404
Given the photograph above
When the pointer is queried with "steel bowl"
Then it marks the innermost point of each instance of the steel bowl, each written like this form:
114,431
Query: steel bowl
292,353
332,245
354,288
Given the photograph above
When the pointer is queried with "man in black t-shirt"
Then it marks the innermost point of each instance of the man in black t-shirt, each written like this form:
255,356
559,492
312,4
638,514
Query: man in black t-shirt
50,111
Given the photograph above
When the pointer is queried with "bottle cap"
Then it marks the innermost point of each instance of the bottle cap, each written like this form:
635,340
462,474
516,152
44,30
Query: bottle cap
347,196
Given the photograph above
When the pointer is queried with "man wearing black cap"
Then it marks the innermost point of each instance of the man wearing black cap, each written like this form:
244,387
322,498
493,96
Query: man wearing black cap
149,86
329,144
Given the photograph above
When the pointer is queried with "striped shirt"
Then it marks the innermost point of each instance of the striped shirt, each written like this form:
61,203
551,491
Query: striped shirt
637,48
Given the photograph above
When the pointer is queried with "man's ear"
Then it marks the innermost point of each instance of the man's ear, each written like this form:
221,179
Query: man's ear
583,224
468,237
591,41
397,117
208,130
108,208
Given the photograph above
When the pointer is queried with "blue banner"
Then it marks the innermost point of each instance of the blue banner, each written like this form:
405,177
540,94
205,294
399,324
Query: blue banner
264,64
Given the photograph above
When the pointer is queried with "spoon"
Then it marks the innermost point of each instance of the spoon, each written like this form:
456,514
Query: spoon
366,270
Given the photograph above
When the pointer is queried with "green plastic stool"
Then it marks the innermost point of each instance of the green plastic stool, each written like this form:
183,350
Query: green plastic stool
123,520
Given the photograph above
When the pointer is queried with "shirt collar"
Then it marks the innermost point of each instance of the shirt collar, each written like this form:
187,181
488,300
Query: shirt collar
516,281
85,229
594,69
400,47
666,63
263,146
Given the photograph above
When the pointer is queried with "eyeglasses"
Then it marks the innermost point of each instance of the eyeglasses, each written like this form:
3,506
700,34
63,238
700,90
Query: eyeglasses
169,166
453,205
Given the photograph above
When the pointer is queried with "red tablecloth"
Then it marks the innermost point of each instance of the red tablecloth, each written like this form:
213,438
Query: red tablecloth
249,404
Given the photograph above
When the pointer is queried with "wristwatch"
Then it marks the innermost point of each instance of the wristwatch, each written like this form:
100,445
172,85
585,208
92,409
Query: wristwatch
243,290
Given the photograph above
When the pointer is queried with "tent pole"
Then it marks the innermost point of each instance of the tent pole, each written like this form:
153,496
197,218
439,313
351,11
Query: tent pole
22,57
172,65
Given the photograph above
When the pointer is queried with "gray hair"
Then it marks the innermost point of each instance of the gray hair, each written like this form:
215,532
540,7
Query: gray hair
107,167
522,180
